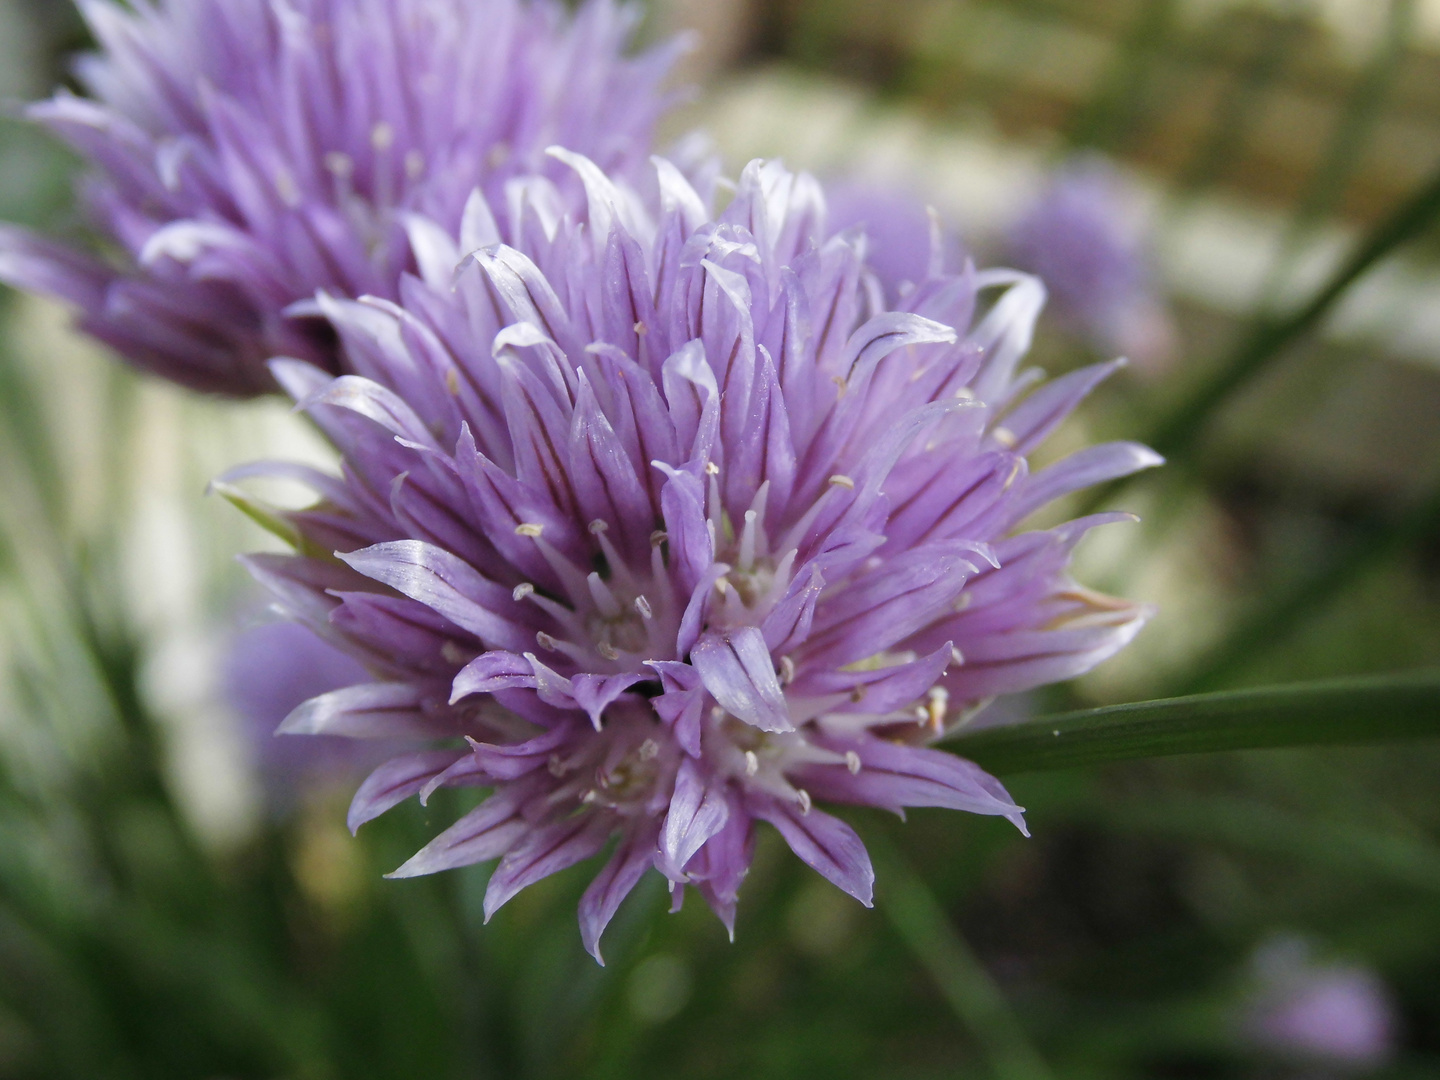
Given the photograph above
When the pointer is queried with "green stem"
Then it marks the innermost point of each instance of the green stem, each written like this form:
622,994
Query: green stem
1337,711
961,978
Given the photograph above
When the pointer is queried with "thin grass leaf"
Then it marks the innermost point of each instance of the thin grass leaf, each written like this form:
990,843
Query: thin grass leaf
1246,824
1339,711
1125,94
1289,606
939,948
1270,336
1356,126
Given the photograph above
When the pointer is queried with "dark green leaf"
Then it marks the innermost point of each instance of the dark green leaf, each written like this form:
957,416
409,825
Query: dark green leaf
1304,714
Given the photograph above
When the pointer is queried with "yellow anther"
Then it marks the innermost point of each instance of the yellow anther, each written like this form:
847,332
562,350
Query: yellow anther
939,699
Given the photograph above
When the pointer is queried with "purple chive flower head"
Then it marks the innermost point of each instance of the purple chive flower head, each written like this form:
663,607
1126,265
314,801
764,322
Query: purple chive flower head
1338,1014
246,153
1080,237
670,527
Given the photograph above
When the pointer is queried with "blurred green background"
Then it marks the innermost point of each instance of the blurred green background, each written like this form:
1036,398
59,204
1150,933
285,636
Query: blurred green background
164,913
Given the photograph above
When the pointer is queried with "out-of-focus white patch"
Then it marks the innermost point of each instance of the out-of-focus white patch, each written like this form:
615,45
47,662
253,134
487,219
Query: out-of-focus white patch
1216,250
137,456
209,762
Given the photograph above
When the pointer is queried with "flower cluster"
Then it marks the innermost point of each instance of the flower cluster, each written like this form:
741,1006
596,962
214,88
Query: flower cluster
669,518
247,153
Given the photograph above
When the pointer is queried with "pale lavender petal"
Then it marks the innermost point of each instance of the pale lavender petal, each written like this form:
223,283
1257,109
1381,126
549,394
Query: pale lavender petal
594,693
1082,469
547,849
510,761
445,583
492,671
368,711
823,843
1035,418
633,856
698,810
900,776
739,673
878,691
487,832
394,782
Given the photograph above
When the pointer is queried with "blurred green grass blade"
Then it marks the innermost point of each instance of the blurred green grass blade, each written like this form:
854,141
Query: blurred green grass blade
1288,607
1126,90
958,973
1270,335
1342,846
1357,125
1359,710
1242,104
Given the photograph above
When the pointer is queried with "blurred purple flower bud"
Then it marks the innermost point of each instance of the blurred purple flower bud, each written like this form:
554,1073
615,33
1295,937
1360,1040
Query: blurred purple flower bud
1081,238
1337,1014
269,671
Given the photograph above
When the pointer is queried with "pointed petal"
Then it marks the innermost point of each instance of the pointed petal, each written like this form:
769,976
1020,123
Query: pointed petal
737,670
447,584
367,711
633,856
487,832
546,850
395,781
822,842
698,810
492,671
894,776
